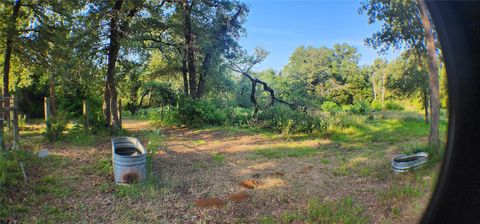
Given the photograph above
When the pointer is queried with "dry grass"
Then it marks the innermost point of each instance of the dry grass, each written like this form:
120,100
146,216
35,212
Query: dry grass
184,175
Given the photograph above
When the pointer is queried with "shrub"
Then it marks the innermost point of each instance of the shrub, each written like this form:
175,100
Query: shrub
57,124
391,105
200,113
239,115
357,108
329,106
281,118
376,105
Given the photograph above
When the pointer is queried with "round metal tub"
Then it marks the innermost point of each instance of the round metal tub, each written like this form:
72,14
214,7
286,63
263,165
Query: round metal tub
403,163
129,158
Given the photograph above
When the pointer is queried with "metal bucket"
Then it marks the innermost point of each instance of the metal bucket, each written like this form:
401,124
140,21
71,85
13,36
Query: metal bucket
129,158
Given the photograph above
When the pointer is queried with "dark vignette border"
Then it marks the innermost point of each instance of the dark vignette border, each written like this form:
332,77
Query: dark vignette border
456,198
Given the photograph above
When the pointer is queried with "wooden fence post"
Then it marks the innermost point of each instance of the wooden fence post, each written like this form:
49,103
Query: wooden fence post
86,116
16,131
47,114
120,112
2,124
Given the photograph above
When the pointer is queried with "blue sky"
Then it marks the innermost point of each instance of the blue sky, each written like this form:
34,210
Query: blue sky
280,26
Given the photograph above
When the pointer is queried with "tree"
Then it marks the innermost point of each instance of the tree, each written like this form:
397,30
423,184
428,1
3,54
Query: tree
406,24
243,65
407,75
331,74
378,75
11,34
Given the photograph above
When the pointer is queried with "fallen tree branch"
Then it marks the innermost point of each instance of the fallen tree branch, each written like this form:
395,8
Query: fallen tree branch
266,88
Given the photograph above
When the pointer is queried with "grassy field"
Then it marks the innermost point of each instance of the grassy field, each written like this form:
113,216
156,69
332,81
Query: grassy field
229,175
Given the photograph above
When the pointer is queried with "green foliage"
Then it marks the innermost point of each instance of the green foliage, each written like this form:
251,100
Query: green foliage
239,116
160,94
357,108
376,105
329,106
331,74
56,125
401,24
391,105
155,140
163,116
281,118
199,113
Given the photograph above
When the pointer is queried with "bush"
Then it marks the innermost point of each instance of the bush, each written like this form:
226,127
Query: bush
57,124
200,113
391,105
387,105
357,108
329,106
239,115
284,119
376,105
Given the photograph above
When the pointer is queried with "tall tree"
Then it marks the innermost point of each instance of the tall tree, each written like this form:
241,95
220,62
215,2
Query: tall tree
11,34
406,24
118,26
329,74
187,6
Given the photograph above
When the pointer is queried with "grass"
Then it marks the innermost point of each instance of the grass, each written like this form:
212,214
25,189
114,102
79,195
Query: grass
218,158
343,211
357,148
404,192
286,151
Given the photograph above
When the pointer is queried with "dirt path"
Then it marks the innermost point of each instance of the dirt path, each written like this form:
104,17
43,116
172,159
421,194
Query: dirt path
267,186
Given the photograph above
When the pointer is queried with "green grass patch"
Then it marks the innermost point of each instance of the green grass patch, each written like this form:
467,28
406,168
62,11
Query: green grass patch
218,158
267,220
405,191
390,131
154,139
343,211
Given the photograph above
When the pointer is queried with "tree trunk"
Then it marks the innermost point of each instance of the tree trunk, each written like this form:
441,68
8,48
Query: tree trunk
8,55
434,138
374,90
384,80
425,104
113,49
53,106
190,48
203,76
106,106
184,72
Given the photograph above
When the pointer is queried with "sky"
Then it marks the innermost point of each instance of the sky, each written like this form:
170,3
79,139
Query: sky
280,26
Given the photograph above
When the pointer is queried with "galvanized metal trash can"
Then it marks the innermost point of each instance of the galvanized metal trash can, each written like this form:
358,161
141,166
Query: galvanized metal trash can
129,158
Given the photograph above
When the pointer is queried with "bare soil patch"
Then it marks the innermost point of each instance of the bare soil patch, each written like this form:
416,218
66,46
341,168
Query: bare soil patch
239,197
209,203
250,183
